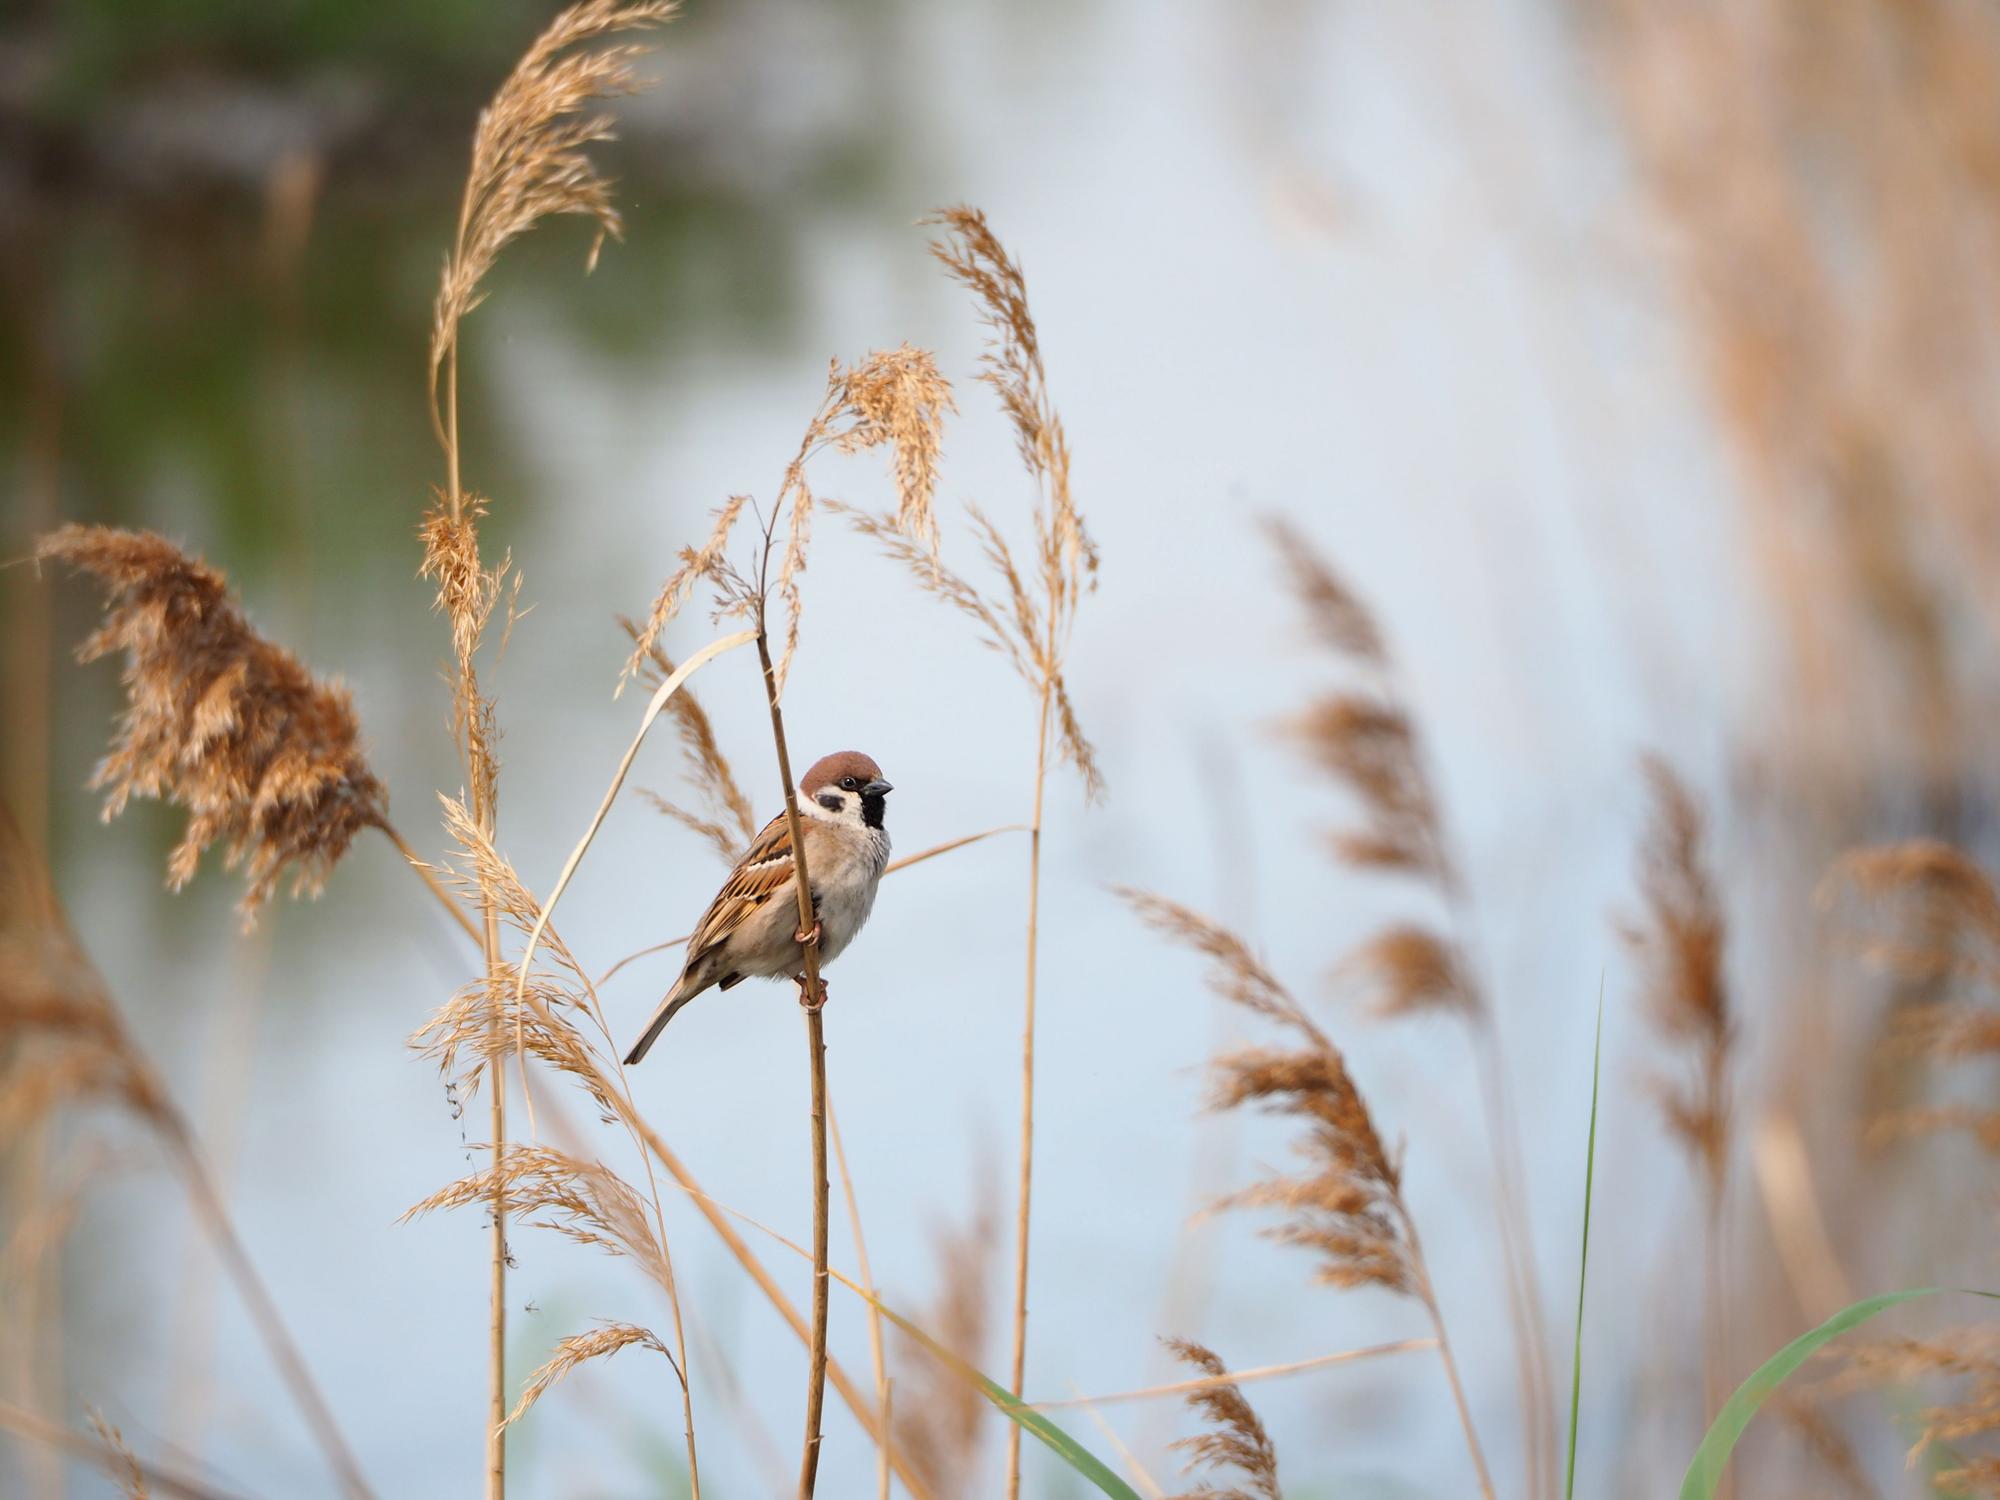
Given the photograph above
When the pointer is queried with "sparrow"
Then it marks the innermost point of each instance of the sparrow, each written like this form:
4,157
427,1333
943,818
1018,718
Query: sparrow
751,928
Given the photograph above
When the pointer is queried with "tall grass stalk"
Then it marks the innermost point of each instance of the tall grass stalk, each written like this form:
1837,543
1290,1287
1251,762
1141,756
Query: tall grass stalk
1030,628
529,161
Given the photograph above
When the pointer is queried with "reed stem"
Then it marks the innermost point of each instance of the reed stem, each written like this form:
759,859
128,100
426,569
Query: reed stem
875,1339
1018,1369
214,1215
1429,1295
812,999
450,902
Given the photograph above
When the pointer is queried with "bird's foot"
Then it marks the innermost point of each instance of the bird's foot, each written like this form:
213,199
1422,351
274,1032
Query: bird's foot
808,939
807,1000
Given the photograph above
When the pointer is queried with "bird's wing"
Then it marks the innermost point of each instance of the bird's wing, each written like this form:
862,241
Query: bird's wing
764,870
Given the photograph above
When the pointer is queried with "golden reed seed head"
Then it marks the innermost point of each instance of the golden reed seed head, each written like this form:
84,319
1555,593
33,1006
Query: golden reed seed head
1238,1442
1347,1205
939,1417
266,758
1940,942
530,153
1678,940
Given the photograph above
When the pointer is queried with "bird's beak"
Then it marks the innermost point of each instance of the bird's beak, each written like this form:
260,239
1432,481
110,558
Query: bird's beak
877,788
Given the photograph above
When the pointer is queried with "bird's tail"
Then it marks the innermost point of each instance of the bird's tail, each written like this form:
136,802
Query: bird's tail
679,995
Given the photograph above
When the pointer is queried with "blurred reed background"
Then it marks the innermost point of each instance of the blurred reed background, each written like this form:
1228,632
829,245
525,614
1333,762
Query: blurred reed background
1620,380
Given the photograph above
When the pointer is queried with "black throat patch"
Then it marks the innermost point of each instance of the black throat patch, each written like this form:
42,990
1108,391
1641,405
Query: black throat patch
872,809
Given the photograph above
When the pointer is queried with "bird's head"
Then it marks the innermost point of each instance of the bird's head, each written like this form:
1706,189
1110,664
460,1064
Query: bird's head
846,787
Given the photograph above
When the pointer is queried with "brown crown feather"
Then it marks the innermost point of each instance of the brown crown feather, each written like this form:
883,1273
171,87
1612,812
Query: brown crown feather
829,769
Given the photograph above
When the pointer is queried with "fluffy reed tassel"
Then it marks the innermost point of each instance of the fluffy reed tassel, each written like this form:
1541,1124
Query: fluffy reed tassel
1238,1440
577,1349
1939,932
1365,741
1957,1433
531,159
1030,626
63,1043
1678,943
265,758
1347,1206
120,1461
895,397
940,1416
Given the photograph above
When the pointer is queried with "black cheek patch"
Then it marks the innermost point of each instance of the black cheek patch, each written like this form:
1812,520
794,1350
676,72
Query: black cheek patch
832,801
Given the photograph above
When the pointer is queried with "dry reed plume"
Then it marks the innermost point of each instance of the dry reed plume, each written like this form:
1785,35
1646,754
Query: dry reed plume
1939,929
895,398
546,1018
64,1043
1952,1437
1678,942
123,1463
726,821
1346,1206
941,1417
1364,740
1238,1440
266,758
1030,627
530,159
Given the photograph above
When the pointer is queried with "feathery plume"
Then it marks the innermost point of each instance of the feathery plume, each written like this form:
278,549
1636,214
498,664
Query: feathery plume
1678,942
123,1462
1410,969
266,758
939,1416
1347,1206
1238,1440
579,1348
531,158
1942,942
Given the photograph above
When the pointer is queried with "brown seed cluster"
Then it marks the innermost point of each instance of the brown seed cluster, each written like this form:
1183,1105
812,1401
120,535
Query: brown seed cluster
1238,1440
1347,1205
266,758
1677,941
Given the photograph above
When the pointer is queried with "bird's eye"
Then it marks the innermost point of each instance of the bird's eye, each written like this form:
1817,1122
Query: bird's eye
848,782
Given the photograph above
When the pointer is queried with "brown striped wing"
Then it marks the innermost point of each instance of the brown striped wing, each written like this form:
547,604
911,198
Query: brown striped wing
762,872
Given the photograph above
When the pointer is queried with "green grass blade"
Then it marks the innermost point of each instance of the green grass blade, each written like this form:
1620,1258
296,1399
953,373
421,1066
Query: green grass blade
1067,1448
1583,1261
1712,1457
